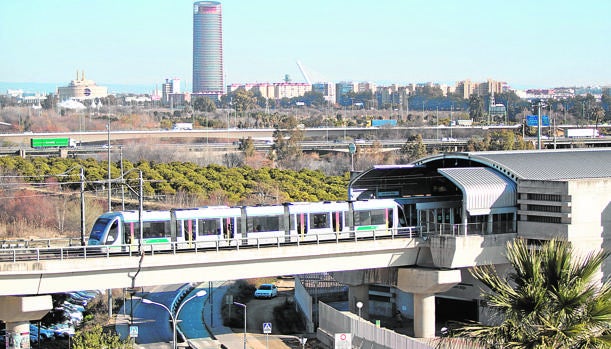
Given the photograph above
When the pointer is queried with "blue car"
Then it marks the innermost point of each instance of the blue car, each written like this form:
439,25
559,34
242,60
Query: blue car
41,333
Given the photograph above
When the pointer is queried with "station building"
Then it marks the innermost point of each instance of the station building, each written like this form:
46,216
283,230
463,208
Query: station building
469,206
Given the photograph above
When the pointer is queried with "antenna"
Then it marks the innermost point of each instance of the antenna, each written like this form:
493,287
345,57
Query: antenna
305,76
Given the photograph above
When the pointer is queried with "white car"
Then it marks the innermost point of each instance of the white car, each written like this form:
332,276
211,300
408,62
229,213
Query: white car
266,291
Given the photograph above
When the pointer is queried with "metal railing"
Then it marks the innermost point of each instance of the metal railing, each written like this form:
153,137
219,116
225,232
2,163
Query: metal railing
49,242
18,254
480,228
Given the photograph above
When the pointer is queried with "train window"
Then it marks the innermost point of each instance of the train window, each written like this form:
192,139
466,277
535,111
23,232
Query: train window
319,220
113,233
373,217
267,223
97,232
208,227
156,229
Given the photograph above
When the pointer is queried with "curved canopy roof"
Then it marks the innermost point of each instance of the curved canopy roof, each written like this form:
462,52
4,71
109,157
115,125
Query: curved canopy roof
484,190
539,164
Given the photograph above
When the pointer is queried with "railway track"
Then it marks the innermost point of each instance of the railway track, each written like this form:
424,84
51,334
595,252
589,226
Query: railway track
31,253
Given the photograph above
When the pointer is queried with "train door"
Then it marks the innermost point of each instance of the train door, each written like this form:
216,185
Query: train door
337,222
302,224
228,228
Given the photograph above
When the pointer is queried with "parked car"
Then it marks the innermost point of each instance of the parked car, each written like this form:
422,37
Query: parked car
73,307
42,333
266,291
62,330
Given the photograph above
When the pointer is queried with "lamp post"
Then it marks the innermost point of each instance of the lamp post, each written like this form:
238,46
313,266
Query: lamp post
243,306
359,305
174,318
108,148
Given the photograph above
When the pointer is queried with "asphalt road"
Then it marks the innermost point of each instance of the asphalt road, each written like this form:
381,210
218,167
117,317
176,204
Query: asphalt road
153,321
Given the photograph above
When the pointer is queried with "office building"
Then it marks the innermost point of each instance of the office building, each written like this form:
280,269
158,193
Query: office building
327,89
170,88
207,48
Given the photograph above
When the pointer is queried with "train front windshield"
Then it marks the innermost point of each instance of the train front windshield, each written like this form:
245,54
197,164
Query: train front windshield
98,231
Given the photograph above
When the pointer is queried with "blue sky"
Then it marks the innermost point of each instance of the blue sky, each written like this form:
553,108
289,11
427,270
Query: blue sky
540,43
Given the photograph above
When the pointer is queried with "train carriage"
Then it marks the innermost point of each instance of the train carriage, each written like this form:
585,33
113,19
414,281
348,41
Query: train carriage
377,217
219,226
123,228
263,225
312,221
215,224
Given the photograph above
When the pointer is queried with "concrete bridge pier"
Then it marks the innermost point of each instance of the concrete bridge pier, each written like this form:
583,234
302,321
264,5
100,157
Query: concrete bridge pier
18,311
357,294
424,283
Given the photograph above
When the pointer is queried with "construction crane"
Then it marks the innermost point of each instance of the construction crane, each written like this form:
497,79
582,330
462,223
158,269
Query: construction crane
303,72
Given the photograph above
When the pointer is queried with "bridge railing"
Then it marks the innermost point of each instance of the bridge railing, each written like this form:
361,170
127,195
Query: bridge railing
479,228
249,242
49,242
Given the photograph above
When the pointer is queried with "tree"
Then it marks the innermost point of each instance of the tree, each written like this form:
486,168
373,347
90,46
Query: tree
204,104
243,100
414,148
287,143
551,299
476,108
247,145
96,338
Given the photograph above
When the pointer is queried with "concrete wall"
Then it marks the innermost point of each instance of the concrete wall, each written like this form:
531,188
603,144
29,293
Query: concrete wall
405,303
585,214
303,301
465,251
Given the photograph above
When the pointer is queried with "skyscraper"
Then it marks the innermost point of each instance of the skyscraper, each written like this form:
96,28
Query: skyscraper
207,48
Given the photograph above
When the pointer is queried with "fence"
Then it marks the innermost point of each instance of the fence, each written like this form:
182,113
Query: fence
364,334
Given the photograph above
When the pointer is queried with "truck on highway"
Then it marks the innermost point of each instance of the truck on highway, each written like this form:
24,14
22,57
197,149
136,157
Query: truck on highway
581,133
56,142
180,126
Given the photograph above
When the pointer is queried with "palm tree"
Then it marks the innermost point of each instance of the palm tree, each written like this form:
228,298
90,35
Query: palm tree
551,299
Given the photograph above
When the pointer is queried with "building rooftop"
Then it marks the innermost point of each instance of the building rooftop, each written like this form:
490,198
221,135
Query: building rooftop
540,164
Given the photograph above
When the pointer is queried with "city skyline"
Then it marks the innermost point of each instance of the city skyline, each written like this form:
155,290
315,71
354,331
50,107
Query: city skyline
527,44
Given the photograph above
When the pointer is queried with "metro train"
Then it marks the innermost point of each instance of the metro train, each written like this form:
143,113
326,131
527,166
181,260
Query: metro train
217,226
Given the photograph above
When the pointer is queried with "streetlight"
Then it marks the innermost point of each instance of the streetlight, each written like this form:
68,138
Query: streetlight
359,305
174,318
108,148
243,306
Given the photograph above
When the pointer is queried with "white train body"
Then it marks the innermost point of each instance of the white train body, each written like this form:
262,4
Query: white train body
219,226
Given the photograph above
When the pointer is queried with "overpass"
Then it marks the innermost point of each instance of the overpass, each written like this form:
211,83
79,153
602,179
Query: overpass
464,208
27,276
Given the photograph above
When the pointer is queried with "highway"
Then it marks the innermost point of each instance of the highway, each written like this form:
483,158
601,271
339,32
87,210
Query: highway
234,133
